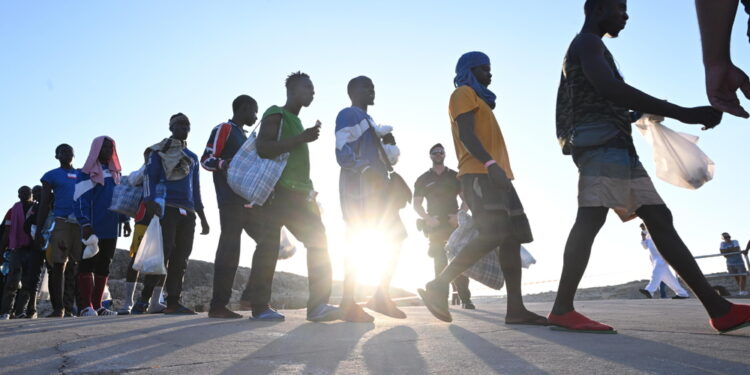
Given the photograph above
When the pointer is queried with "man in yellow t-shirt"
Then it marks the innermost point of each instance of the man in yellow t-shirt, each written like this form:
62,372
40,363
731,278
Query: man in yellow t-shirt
485,175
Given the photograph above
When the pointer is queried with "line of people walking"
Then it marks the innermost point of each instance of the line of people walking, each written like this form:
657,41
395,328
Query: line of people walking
595,108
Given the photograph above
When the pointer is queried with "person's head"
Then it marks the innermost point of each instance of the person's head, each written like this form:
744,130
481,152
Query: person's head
643,226
245,110
477,64
105,153
179,125
361,90
36,192
299,89
64,153
24,193
726,236
437,154
610,16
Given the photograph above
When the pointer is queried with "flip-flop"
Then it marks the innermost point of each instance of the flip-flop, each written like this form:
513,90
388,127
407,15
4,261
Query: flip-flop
436,312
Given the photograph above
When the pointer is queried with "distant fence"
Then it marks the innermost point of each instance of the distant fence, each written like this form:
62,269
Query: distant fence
744,257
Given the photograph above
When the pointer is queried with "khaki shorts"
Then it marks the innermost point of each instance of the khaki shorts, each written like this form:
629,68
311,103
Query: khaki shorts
64,242
612,177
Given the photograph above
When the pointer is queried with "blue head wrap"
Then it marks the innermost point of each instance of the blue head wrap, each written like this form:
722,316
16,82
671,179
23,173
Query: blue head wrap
464,76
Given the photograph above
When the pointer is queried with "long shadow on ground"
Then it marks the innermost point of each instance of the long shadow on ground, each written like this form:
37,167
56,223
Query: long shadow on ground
132,349
492,355
310,348
394,351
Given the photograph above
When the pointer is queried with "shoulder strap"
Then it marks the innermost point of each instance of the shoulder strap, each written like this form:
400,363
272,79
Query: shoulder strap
609,104
379,146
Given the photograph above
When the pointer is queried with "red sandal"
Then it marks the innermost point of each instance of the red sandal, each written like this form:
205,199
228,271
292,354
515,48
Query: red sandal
737,317
574,322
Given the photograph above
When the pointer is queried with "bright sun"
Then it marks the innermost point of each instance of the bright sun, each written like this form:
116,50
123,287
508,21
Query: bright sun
368,252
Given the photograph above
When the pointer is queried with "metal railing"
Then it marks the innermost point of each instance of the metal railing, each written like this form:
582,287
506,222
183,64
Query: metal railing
744,256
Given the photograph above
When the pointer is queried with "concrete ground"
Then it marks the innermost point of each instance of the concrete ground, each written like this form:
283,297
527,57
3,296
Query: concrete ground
655,337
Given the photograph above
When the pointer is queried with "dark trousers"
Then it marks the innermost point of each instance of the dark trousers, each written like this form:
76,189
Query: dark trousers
233,219
25,269
460,283
62,285
99,263
301,217
438,238
177,231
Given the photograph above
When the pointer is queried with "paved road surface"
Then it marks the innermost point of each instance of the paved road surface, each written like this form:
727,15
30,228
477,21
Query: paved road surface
656,337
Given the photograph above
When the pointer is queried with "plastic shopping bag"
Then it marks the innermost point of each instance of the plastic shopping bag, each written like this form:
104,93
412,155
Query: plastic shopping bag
126,197
678,159
526,258
92,246
150,257
287,249
487,270
253,177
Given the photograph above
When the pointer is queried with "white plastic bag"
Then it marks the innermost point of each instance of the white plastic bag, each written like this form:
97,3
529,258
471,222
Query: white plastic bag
150,257
92,246
487,270
526,258
678,159
287,249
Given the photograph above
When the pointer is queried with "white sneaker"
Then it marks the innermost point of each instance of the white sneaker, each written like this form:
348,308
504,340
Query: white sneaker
89,311
156,308
103,311
744,293
5,317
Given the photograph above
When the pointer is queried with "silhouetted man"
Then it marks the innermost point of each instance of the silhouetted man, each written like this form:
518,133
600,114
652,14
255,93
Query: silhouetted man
365,199
172,164
292,204
25,258
64,246
593,124
485,173
234,213
440,186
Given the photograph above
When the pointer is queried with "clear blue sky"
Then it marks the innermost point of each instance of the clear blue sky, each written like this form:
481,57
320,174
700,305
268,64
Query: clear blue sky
73,71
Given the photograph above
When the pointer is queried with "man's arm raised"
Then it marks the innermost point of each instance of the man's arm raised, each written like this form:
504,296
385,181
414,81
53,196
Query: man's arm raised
269,147
590,49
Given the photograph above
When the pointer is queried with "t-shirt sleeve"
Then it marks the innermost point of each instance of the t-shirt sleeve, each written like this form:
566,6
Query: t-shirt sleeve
273,110
48,178
419,186
463,100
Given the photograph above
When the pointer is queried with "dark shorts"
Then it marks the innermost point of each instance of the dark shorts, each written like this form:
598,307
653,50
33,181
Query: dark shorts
496,212
736,268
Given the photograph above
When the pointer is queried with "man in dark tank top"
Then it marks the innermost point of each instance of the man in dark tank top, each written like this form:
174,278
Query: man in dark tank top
593,123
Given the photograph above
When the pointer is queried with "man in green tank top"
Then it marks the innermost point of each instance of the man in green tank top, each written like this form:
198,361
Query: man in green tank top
292,205
592,100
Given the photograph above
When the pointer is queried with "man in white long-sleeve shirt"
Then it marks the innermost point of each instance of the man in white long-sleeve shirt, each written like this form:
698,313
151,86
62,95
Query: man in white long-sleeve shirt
661,272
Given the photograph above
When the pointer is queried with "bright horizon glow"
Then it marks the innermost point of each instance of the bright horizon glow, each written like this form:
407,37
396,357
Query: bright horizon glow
74,71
